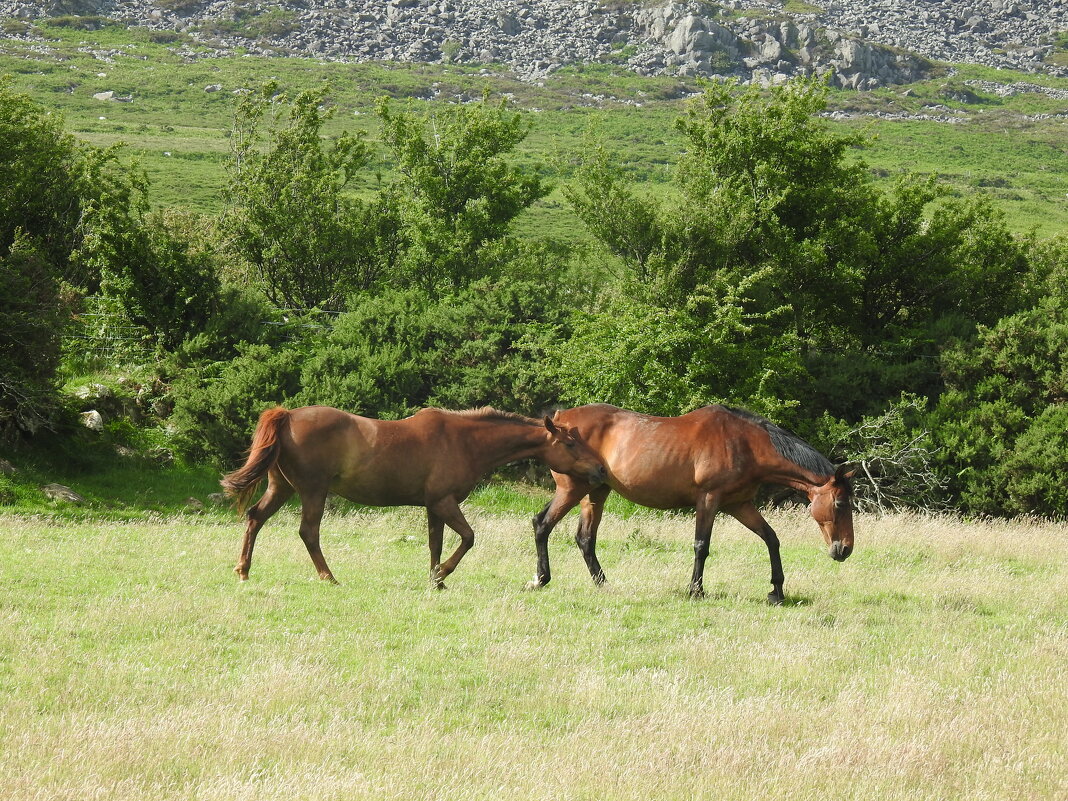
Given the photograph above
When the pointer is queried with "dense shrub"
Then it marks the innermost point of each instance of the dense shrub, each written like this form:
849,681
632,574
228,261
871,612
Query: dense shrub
33,316
1000,423
217,405
63,205
389,356
669,360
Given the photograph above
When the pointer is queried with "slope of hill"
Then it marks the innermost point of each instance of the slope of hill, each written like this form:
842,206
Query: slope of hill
868,43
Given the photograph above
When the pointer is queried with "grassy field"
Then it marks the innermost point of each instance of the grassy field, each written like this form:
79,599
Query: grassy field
134,666
1014,149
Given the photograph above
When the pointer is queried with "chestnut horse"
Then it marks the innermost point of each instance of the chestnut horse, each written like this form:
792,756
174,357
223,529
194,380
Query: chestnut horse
713,459
433,459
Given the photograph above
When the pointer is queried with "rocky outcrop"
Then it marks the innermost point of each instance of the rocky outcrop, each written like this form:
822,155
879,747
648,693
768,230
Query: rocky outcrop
867,43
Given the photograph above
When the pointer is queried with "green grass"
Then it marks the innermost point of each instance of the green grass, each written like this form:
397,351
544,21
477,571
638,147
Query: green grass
1019,162
134,666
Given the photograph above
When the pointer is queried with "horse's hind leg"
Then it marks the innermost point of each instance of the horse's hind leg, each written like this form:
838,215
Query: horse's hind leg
312,506
749,516
586,536
449,512
278,492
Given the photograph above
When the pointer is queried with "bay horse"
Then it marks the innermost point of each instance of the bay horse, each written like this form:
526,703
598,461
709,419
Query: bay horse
713,459
433,458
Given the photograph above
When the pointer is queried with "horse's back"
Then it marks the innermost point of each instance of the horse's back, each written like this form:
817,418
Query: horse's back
376,462
665,462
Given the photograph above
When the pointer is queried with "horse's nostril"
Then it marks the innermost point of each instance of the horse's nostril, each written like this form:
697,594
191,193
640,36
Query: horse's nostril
840,552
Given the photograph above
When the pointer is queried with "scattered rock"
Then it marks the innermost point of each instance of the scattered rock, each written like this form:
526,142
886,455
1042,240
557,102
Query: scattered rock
93,420
194,505
93,392
7,469
219,499
57,492
104,96
875,42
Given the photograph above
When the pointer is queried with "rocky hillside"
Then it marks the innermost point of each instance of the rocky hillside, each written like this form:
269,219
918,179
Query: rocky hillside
868,43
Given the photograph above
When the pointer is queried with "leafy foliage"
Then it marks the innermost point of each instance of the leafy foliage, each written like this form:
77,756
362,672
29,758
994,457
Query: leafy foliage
667,361
61,205
33,313
389,356
460,192
766,194
311,243
1001,422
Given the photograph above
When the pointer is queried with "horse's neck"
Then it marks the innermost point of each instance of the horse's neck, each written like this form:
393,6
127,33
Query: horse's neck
503,442
791,475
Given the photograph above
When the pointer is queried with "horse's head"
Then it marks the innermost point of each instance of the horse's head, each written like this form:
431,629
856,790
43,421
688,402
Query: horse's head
568,453
832,508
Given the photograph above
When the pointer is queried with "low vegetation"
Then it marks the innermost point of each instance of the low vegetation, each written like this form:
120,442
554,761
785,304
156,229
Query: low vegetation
649,242
304,240
927,666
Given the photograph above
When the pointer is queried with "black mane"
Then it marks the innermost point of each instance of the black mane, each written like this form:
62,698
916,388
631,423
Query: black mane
788,444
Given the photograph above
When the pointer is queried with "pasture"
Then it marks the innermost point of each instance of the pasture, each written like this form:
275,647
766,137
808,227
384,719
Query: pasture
133,665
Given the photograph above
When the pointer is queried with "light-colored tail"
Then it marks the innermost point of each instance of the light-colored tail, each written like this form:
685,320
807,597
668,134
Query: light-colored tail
262,456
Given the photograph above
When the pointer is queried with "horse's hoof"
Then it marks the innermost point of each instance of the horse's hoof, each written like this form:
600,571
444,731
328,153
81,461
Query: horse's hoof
440,585
774,599
532,585
697,593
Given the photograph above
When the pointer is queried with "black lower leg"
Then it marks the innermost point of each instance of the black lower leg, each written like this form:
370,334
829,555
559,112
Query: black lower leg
700,554
777,579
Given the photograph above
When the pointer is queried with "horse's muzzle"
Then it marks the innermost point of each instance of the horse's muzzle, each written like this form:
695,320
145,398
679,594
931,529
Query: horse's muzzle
597,477
840,552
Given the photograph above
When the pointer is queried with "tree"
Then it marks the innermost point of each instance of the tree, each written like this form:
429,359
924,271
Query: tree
62,205
1001,422
874,281
310,241
461,192
668,361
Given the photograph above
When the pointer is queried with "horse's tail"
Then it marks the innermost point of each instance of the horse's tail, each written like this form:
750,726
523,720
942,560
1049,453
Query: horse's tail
262,456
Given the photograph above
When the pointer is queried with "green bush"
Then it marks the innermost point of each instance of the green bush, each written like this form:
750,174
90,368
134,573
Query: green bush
997,424
33,316
1035,470
668,360
387,357
216,406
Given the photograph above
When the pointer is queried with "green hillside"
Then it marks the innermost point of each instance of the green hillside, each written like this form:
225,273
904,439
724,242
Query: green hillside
1015,149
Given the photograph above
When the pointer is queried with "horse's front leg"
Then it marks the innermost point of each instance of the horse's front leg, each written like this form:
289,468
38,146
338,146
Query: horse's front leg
568,494
749,516
436,530
586,536
707,507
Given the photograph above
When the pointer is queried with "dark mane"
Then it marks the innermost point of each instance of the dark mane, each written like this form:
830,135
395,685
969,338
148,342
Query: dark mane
788,444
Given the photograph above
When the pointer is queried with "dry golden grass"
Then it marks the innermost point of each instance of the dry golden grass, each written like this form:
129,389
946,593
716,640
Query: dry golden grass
928,666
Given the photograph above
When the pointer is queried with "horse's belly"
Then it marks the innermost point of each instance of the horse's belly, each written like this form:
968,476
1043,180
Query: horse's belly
376,491
657,497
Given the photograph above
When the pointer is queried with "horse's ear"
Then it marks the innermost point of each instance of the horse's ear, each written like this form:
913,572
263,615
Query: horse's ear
551,426
844,472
